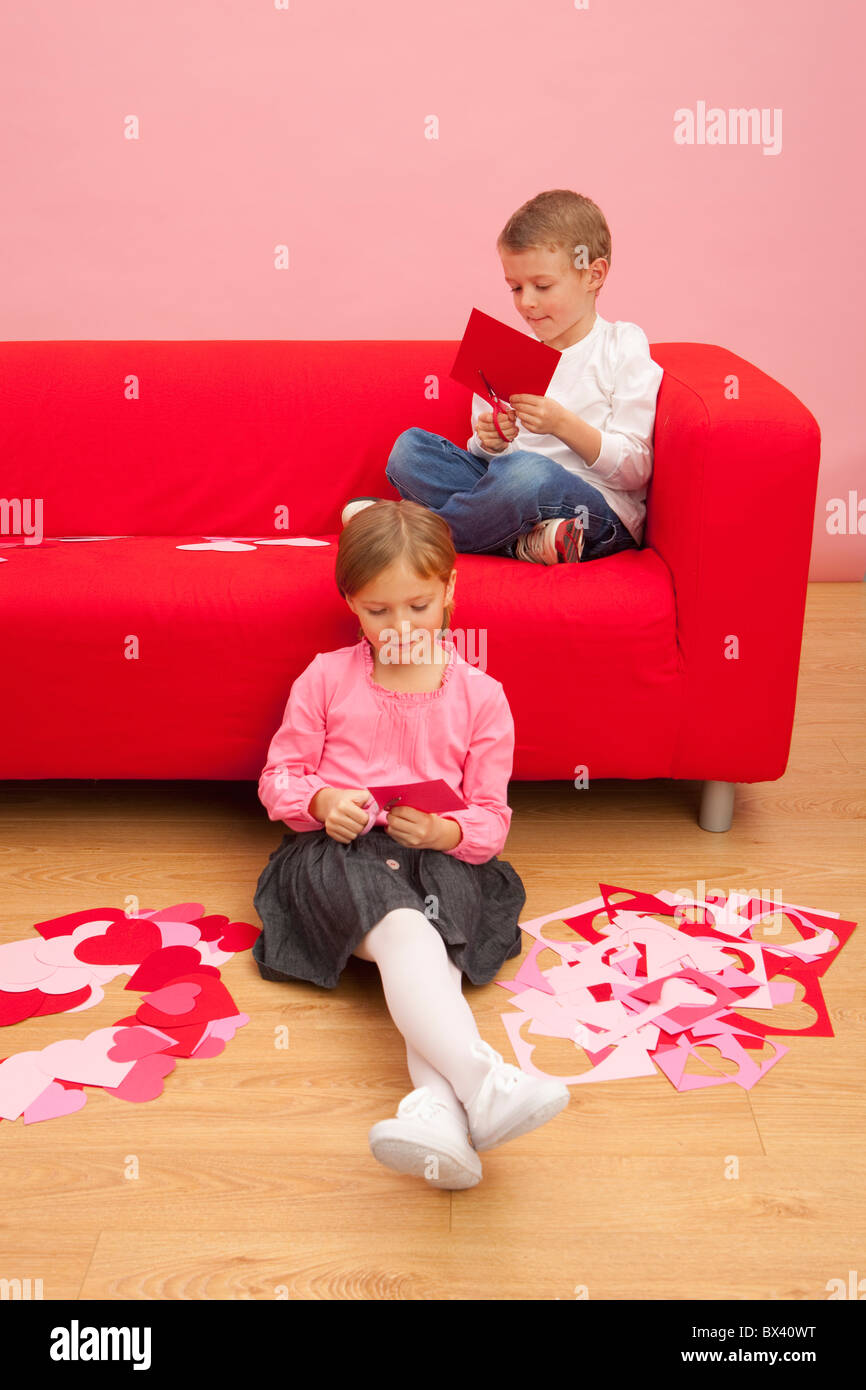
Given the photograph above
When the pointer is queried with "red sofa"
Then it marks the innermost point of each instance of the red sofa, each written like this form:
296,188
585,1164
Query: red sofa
131,658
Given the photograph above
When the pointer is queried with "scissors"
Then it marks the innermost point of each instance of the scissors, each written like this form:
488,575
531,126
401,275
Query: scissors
499,406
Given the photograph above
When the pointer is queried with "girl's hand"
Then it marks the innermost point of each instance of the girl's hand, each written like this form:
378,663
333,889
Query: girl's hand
486,430
340,811
414,829
538,414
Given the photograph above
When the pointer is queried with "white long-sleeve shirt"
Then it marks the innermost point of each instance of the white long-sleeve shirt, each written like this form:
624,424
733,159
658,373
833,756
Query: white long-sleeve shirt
611,382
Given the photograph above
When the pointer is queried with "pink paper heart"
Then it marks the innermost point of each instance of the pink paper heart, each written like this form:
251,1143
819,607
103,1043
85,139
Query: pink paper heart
682,992
227,1027
131,1044
21,966
174,999
56,1100
144,1081
210,1047
22,1081
181,912
83,1059
60,950
179,933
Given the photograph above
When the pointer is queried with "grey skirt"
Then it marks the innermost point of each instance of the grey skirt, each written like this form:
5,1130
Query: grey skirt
317,898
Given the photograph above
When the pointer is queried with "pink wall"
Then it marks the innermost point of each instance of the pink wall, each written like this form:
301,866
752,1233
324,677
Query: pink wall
302,122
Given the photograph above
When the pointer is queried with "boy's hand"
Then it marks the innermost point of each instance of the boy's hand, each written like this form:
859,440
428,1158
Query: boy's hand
538,414
486,430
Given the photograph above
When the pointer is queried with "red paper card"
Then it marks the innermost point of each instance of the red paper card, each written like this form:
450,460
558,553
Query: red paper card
434,796
514,363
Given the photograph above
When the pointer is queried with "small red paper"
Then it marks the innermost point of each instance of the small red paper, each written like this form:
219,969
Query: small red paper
433,796
513,363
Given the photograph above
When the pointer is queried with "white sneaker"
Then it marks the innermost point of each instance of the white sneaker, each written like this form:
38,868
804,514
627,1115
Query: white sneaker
356,504
427,1141
508,1102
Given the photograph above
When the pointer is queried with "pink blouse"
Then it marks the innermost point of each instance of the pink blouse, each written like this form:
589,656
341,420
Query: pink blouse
341,729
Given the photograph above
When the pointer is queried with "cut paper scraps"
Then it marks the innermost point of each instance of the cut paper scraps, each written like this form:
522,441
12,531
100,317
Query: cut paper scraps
235,543
172,957
637,995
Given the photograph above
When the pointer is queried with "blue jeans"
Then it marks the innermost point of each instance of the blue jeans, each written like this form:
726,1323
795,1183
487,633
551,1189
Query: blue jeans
489,504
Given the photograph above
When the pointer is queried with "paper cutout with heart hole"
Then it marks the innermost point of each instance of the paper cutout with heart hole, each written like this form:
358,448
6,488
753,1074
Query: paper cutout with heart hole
639,996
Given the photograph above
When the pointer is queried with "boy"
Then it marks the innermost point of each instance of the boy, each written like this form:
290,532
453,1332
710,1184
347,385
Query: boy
569,480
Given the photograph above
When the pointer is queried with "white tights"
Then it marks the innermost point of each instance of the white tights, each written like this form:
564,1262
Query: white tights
423,991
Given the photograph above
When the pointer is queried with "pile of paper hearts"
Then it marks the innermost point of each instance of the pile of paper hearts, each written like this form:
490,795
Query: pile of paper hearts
172,957
640,994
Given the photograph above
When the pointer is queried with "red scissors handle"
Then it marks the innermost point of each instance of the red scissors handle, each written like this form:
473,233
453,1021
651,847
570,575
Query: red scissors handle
498,406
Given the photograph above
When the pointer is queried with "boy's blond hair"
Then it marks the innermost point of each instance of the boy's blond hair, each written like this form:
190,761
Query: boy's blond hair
559,220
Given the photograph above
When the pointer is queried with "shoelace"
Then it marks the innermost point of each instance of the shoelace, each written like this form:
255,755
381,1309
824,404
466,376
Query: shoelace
502,1076
421,1103
505,1081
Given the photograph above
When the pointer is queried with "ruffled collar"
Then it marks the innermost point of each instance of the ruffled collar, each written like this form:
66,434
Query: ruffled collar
409,697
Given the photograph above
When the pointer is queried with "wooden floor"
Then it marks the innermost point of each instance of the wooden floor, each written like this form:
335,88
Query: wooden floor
251,1177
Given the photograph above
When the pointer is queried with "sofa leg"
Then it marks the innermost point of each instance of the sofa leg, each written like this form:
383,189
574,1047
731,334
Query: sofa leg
717,806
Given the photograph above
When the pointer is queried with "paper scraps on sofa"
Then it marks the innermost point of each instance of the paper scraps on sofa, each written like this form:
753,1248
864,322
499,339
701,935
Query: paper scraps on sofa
636,994
172,957
229,543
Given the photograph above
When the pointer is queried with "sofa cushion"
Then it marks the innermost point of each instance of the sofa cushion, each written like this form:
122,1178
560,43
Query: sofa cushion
136,659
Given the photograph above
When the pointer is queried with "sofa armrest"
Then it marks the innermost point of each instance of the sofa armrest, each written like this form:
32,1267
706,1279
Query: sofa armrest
730,510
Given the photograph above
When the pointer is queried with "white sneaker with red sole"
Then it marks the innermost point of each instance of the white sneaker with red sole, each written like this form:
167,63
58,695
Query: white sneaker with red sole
552,542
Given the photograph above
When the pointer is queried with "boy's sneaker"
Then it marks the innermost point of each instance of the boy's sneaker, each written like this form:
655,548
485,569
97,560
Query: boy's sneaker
427,1141
356,504
552,542
509,1103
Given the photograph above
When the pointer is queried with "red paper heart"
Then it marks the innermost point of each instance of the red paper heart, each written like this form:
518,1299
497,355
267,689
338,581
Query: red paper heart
212,927
186,1039
15,1007
213,1001
125,943
238,936
63,1003
164,966
65,926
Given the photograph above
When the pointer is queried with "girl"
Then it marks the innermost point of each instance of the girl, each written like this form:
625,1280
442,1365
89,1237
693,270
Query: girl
422,895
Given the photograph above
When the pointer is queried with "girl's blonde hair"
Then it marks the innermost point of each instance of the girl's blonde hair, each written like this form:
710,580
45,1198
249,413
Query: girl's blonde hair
558,220
387,531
